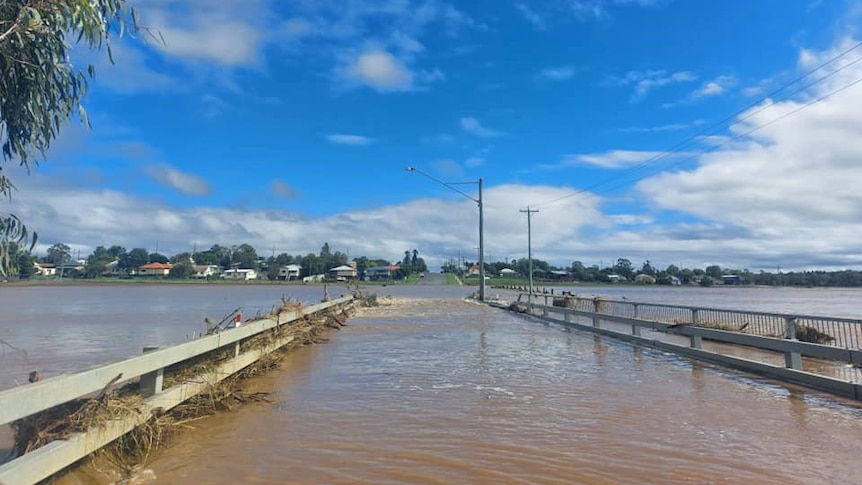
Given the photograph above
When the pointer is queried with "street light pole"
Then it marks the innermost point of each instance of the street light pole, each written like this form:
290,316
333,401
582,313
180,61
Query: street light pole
478,201
530,212
481,245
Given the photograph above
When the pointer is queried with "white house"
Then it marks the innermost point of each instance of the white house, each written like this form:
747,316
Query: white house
289,272
46,269
239,274
204,271
342,273
508,273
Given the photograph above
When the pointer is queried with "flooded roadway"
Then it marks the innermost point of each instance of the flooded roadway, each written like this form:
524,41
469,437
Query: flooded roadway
447,392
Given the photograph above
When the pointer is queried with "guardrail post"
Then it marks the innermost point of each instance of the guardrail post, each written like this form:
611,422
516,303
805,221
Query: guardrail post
636,329
792,360
596,322
151,383
696,341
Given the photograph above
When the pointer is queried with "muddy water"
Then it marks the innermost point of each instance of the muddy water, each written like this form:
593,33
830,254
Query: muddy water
447,392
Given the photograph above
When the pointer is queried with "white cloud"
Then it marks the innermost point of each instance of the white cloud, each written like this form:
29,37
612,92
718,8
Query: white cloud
657,129
791,187
612,159
646,81
474,162
531,16
355,140
473,127
589,10
714,87
380,70
182,182
227,33
562,73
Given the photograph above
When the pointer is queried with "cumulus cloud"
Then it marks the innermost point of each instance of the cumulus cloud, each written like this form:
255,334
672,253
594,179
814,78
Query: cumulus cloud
380,70
475,128
439,226
227,33
182,182
792,183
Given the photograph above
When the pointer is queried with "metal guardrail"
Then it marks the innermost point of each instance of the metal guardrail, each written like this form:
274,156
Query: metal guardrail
844,333
22,401
672,319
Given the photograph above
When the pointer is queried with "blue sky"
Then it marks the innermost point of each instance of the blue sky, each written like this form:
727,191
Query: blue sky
285,124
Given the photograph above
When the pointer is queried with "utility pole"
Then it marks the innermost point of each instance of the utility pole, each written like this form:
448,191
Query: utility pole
530,213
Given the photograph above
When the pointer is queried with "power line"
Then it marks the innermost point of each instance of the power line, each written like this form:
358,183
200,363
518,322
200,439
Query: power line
757,128
714,128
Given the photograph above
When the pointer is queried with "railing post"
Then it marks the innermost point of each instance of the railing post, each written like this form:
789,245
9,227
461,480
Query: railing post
596,321
636,329
567,316
151,383
792,360
696,341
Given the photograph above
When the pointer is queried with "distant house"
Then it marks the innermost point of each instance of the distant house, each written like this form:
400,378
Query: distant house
314,278
205,271
508,273
155,269
112,269
615,278
46,269
376,273
239,274
558,275
342,273
473,271
732,279
289,272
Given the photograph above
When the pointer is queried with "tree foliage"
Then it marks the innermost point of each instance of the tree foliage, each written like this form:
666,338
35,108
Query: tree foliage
40,87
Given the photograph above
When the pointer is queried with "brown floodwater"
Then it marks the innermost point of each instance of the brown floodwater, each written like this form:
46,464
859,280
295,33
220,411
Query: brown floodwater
436,390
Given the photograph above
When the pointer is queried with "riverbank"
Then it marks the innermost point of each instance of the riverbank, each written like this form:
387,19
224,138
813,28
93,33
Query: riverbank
190,282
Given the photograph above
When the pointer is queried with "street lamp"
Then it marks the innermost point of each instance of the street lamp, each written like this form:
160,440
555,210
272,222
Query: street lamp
451,186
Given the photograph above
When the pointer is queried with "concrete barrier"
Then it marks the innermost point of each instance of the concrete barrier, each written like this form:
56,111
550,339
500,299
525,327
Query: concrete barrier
791,348
23,401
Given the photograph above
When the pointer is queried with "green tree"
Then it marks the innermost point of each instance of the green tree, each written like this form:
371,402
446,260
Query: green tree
58,254
624,267
184,256
26,264
133,259
157,258
97,262
40,88
647,268
182,270
245,256
714,272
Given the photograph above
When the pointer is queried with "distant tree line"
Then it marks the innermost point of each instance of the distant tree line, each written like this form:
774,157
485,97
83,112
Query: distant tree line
624,268
242,256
